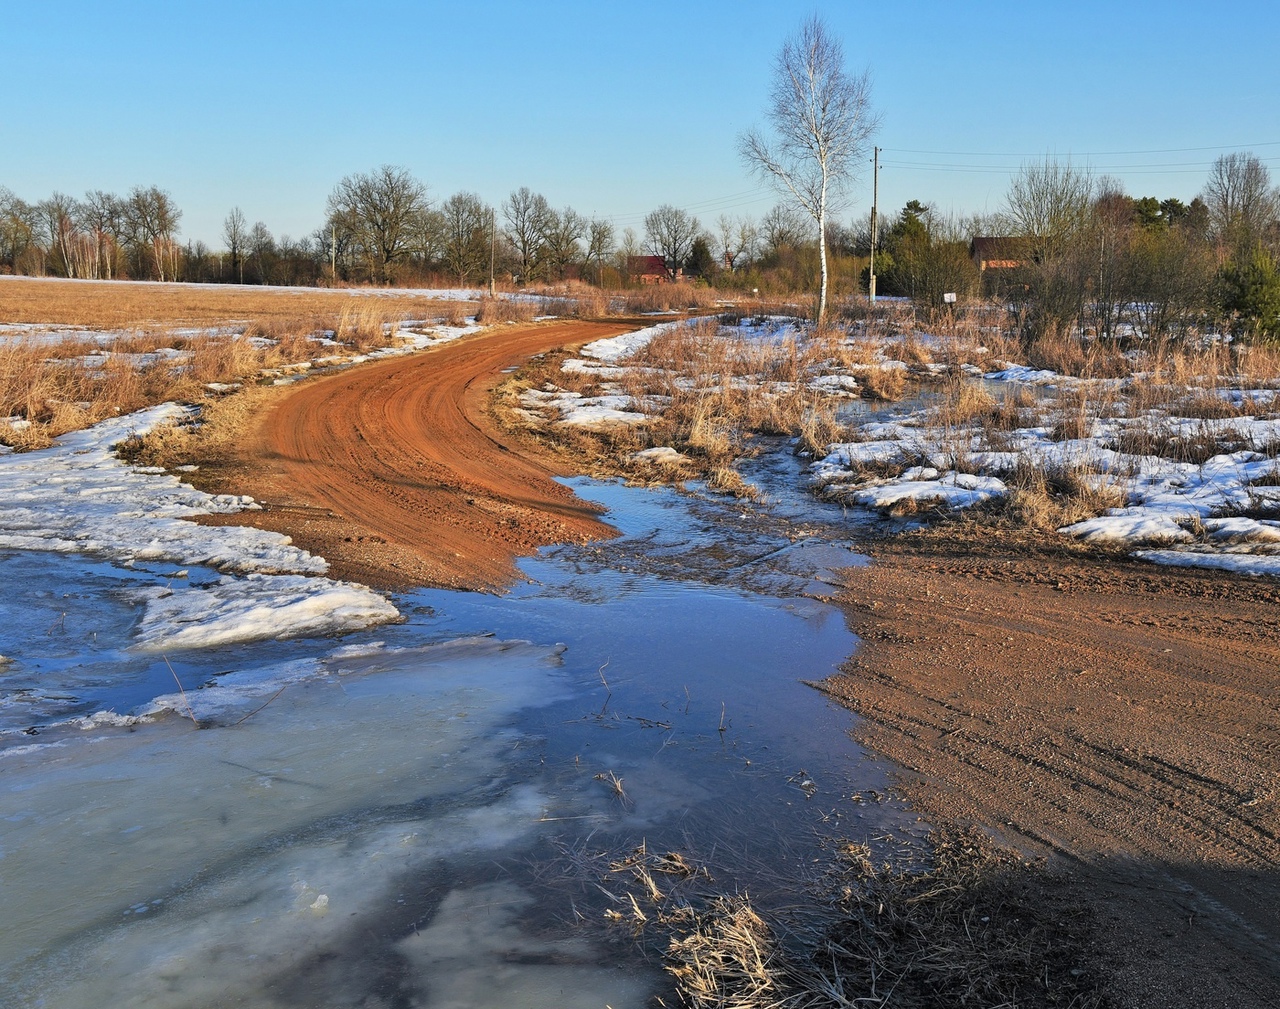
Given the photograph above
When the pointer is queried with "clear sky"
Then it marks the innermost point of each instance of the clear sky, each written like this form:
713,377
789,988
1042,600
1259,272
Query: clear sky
612,108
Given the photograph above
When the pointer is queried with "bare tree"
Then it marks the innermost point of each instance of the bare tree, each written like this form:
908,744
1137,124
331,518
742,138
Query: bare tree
1048,205
58,214
262,249
1241,201
380,212
233,233
151,224
599,244
562,232
526,215
670,232
18,225
822,120
782,227
466,236
628,248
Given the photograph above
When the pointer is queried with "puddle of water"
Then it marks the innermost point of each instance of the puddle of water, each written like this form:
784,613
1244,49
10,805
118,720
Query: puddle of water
404,824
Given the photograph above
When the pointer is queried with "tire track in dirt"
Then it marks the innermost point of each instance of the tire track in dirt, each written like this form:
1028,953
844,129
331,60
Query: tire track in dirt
1123,716
397,475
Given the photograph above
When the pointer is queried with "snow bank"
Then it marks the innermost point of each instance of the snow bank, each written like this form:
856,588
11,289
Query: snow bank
614,348
77,496
257,607
927,487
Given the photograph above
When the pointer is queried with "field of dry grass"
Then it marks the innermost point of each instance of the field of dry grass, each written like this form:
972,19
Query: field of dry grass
138,305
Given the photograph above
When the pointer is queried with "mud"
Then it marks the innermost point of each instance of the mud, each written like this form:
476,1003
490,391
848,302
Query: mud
1116,714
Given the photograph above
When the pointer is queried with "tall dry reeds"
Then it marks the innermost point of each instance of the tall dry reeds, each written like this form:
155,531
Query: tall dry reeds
711,389
669,298
494,311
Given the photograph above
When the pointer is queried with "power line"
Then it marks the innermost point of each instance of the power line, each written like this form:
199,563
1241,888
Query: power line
1084,154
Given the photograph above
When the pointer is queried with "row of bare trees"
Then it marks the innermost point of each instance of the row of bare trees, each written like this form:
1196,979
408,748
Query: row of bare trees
99,237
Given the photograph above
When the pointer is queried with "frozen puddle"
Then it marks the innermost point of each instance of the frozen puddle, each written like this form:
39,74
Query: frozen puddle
386,830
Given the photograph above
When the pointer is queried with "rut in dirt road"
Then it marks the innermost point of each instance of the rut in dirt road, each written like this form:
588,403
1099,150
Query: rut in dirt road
397,475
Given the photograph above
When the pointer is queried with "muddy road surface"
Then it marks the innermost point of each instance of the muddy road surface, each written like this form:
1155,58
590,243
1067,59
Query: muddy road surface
397,475
1122,716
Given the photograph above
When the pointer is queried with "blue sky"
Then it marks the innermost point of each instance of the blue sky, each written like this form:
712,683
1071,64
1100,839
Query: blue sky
611,108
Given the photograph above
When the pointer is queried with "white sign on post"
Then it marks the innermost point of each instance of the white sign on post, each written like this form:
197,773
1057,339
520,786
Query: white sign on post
949,298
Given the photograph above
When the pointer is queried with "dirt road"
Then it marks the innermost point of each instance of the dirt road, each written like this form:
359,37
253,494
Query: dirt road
1122,715
396,474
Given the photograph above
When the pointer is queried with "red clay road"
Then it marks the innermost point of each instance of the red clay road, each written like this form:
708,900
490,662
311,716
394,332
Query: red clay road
398,475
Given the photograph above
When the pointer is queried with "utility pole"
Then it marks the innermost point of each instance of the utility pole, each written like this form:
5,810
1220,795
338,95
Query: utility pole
493,248
875,214
333,253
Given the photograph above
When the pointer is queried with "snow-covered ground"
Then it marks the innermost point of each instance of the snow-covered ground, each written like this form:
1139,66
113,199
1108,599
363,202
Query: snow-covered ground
78,496
1175,501
1187,490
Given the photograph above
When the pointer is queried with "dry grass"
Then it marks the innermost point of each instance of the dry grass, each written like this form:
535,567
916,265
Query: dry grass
962,401
958,921
133,305
493,311
669,298
975,925
713,390
887,384
75,383
211,435
1048,497
706,393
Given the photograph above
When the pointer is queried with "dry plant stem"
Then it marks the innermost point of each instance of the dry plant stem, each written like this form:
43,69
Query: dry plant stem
245,718
191,714
608,691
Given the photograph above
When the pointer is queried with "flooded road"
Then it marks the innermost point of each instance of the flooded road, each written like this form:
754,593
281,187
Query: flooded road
416,815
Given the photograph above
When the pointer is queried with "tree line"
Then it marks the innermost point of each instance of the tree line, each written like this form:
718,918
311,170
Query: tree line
1089,256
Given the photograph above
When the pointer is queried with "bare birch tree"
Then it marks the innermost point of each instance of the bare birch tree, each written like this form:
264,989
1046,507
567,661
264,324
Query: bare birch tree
102,218
821,119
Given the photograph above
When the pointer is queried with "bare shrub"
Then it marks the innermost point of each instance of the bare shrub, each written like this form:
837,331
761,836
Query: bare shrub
493,311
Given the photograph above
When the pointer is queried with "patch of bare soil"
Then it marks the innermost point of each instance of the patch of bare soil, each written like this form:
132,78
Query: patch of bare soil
1123,716
398,475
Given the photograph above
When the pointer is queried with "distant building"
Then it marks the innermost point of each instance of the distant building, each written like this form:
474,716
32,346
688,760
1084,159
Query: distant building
997,253
651,270
996,259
